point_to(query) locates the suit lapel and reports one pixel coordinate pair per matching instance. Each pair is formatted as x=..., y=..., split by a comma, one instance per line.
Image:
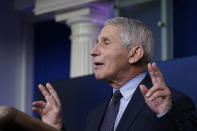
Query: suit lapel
x=134, y=107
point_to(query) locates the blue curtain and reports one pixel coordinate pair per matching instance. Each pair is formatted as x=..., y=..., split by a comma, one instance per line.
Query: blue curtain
x=51, y=53
x=185, y=28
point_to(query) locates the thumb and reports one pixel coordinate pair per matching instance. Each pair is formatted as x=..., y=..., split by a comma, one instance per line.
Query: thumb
x=143, y=89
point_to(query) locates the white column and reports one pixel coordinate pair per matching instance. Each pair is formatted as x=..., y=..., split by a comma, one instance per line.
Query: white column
x=84, y=34
x=85, y=17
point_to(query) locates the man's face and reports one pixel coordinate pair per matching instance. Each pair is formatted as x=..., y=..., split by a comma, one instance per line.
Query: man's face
x=110, y=58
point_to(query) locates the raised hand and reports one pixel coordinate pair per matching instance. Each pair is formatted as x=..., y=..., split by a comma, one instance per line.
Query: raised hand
x=158, y=97
x=50, y=111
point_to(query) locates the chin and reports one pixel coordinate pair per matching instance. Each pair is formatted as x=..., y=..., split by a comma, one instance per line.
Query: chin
x=103, y=77
x=99, y=76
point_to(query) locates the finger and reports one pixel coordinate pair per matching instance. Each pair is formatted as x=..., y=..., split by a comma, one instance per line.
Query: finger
x=38, y=110
x=54, y=93
x=157, y=73
x=53, y=103
x=44, y=91
x=143, y=89
x=159, y=94
x=151, y=72
x=40, y=104
x=153, y=89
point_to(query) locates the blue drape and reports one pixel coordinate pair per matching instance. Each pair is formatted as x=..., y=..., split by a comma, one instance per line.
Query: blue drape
x=51, y=53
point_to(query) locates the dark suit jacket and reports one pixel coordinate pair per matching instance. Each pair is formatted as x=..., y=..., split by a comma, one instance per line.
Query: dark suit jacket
x=138, y=116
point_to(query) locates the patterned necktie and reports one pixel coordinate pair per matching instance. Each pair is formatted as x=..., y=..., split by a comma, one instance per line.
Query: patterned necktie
x=111, y=112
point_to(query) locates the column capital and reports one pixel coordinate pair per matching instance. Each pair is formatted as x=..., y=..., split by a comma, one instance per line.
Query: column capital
x=73, y=11
x=95, y=13
x=51, y=6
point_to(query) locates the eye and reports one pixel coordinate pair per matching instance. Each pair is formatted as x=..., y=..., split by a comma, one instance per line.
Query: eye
x=107, y=42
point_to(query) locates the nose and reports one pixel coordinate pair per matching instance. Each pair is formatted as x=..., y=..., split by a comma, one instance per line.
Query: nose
x=95, y=51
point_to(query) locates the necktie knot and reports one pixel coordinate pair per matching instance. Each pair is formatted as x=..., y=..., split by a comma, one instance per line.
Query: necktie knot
x=116, y=96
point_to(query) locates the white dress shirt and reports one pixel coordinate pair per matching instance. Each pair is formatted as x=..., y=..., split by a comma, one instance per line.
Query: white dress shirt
x=127, y=91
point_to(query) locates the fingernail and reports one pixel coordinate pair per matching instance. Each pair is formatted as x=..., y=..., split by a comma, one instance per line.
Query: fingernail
x=147, y=94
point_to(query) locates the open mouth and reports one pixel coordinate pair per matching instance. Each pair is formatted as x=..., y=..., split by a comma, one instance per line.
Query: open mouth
x=98, y=64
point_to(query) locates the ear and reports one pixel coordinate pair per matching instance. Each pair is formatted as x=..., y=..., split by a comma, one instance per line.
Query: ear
x=135, y=54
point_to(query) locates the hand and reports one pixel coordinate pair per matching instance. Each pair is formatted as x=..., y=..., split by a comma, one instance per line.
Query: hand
x=50, y=111
x=158, y=98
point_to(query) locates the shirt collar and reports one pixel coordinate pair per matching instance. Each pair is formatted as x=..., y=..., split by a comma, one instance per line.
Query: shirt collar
x=129, y=87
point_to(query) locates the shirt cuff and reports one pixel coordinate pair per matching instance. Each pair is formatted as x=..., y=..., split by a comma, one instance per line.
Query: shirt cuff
x=160, y=115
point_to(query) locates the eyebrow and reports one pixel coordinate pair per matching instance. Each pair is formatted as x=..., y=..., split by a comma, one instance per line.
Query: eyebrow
x=103, y=39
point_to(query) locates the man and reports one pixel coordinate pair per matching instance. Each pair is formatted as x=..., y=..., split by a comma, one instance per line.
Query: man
x=142, y=100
